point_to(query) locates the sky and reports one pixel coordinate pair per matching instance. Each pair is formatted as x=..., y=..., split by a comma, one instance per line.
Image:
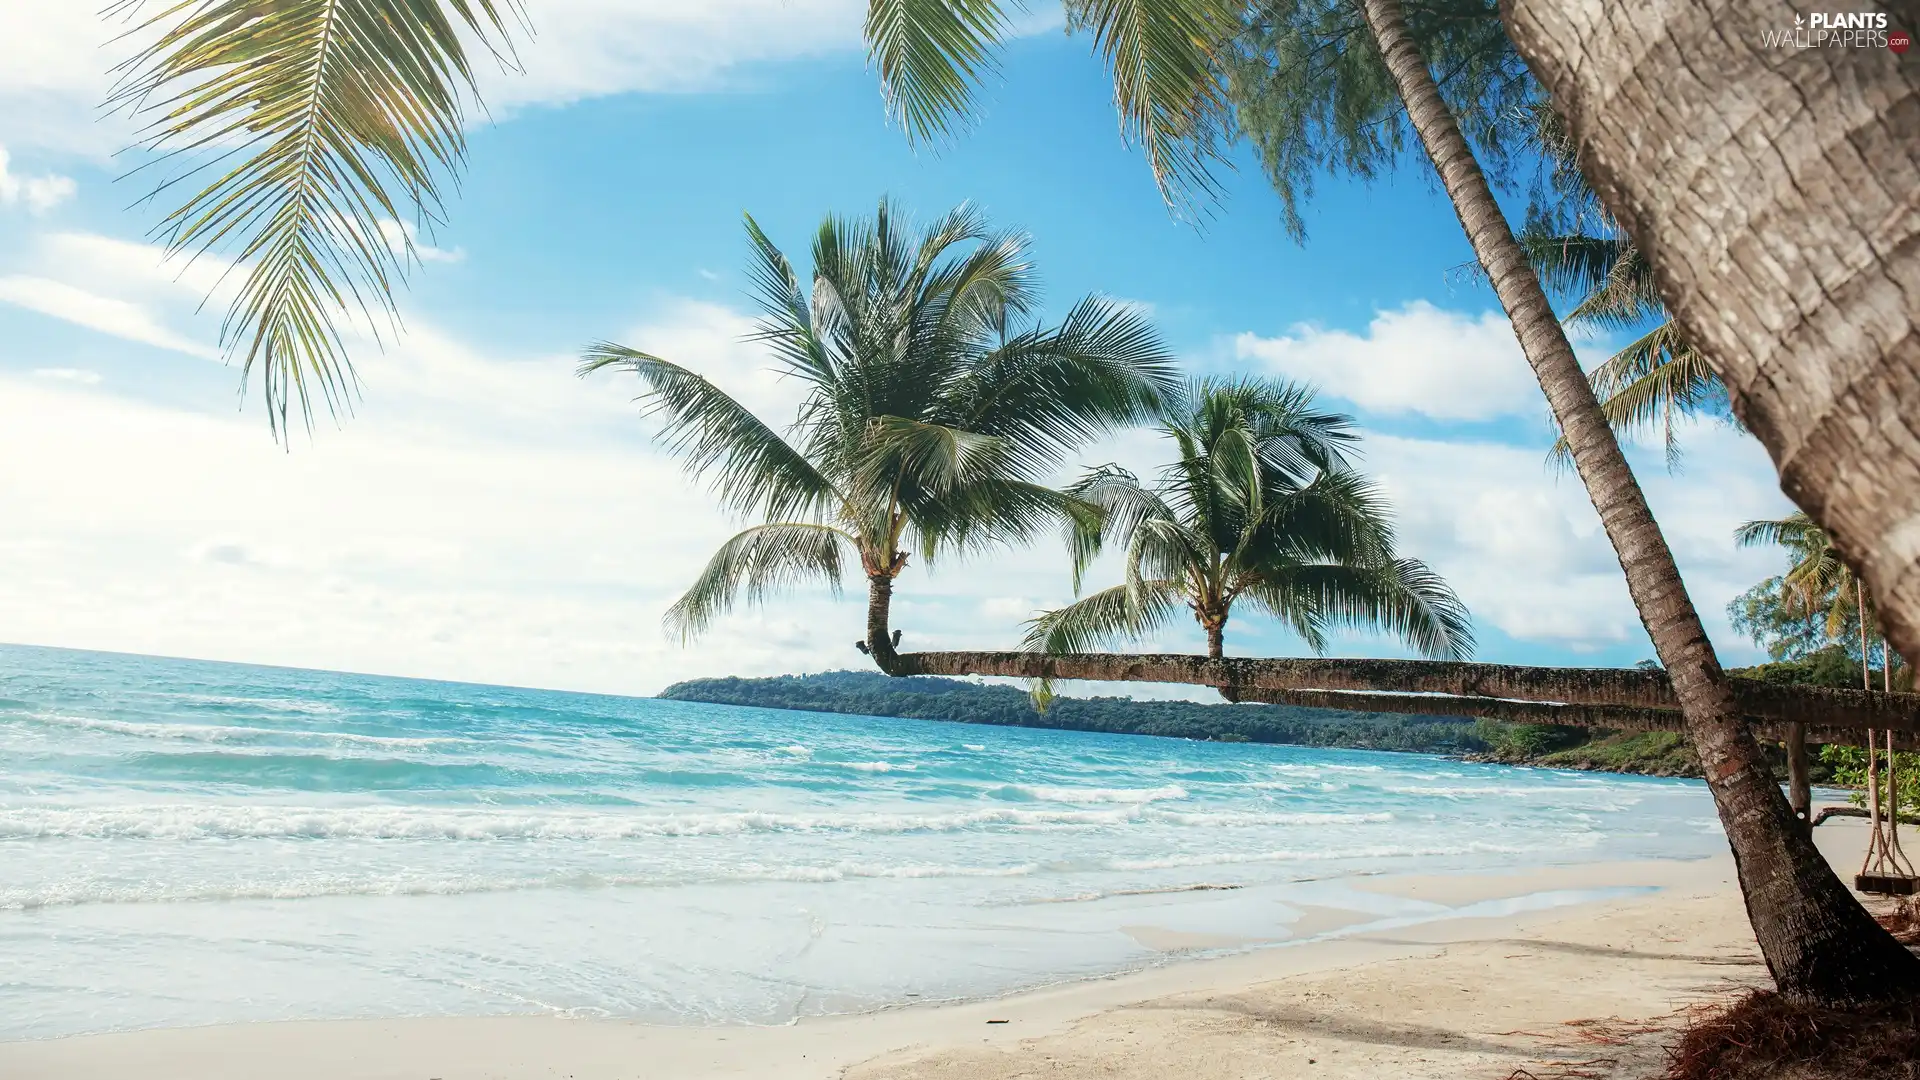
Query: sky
x=483, y=515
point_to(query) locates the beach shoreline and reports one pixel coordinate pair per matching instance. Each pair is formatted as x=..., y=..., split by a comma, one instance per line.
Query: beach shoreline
x=1680, y=934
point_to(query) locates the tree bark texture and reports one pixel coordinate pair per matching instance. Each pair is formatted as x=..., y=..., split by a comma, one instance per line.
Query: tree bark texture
x=1776, y=193
x=1818, y=942
x=1631, y=688
x=879, y=634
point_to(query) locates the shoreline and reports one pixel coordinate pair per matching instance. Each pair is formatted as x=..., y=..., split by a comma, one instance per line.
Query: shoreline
x=1491, y=910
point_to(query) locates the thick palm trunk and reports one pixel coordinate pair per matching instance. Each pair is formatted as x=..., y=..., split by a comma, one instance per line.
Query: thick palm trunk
x=1818, y=942
x=1216, y=637
x=1776, y=192
x=879, y=635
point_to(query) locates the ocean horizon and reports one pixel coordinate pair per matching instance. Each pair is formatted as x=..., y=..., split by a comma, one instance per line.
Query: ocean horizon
x=195, y=842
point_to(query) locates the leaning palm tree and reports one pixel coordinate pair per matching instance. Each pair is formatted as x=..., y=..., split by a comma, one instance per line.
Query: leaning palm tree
x=1259, y=510
x=934, y=409
x=1169, y=61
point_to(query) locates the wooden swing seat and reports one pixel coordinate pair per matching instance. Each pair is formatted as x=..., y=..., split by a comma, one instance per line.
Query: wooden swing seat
x=1887, y=884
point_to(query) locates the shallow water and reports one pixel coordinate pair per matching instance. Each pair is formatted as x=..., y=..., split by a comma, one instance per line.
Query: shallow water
x=191, y=843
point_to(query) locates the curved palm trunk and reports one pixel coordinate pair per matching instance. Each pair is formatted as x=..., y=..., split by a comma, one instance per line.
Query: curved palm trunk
x=1776, y=192
x=1818, y=942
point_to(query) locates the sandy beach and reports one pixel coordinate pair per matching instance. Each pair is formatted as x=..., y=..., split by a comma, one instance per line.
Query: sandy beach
x=1465, y=996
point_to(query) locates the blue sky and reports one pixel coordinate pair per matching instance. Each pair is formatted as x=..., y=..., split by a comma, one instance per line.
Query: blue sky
x=485, y=516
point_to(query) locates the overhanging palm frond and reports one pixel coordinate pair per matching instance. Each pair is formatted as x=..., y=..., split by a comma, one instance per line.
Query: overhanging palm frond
x=930, y=54
x=757, y=563
x=1167, y=82
x=707, y=428
x=322, y=120
x=1108, y=616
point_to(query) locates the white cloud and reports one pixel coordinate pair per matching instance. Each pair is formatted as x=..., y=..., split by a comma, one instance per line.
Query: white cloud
x=72, y=375
x=108, y=315
x=38, y=193
x=1420, y=359
x=1524, y=548
x=403, y=236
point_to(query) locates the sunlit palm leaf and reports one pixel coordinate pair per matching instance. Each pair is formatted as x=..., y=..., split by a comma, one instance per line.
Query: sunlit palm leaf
x=1104, y=618
x=930, y=54
x=1648, y=385
x=756, y=564
x=1403, y=597
x=321, y=120
x=753, y=467
x=1167, y=83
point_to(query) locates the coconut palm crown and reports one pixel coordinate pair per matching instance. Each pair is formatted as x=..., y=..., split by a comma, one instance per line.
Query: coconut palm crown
x=934, y=409
x=1260, y=508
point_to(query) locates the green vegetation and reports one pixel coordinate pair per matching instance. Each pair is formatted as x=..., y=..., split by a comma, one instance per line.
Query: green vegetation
x=866, y=693
x=1262, y=508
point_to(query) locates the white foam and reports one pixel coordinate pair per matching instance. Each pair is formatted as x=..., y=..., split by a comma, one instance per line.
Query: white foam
x=76, y=893
x=872, y=766
x=976, y=747
x=1087, y=796
x=1176, y=862
x=231, y=822
x=221, y=733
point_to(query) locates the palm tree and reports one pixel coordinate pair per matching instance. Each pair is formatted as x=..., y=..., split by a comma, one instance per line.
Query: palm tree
x=1820, y=945
x=1818, y=581
x=933, y=410
x=1799, y=297
x=1260, y=509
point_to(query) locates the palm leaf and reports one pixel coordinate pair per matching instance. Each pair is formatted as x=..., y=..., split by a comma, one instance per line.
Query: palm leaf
x=930, y=54
x=1106, y=617
x=755, y=564
x=320, y=120
x=1167, y=83
x=1647, y=385
x=755, y=467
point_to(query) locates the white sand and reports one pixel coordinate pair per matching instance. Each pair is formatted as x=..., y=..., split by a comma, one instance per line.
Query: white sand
x=1462, y=997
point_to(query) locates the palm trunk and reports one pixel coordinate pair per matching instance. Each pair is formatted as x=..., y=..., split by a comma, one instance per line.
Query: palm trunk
x=1216, y=636
x=879, y=635
x=1799, y=785
x=1818, y=942
x=1773, y=190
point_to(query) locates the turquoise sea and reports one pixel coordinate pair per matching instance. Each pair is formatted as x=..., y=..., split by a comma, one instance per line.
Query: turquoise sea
x=190, y=843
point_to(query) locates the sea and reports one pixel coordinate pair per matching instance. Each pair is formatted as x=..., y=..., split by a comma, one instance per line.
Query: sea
x=188, y=843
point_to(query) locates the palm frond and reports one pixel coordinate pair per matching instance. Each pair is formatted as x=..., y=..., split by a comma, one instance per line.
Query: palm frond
x=754, y=467
x=1048, y=390
x=1649, y=385
x=320, y=120
x=1404, y=597
x=930, y=458
x=755, y=564
x=930, y=54
x=1106, y=617
x=1167, y=82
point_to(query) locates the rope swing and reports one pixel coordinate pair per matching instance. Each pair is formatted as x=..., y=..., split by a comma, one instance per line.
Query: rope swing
x=1886, y=871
